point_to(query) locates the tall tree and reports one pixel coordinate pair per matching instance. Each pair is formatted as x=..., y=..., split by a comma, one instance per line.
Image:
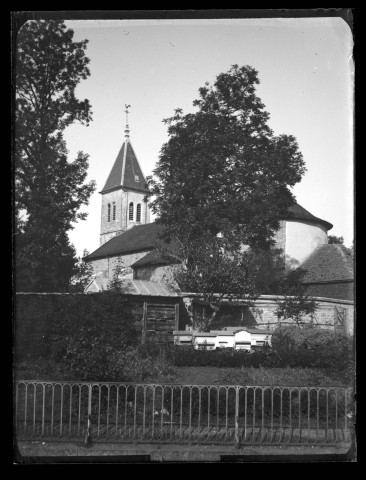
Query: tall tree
x=49, y=189
x=223, y=179
x=223, y=169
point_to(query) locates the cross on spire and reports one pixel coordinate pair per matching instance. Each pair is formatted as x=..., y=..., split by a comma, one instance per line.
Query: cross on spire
x=127, y=130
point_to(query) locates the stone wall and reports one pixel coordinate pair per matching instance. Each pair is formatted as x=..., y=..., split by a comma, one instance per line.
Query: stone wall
x=122, y=222
x=113, y=227
x=107, y=265
x=261, y=313
x=152, y=273
x=341, y=290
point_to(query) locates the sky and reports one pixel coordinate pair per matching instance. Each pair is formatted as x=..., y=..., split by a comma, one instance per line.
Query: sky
x=306, y=73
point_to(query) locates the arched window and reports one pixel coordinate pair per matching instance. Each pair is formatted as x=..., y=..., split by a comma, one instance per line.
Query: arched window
x=114, y=210
x=109, y=212
x=138, y=212
x=130, y=211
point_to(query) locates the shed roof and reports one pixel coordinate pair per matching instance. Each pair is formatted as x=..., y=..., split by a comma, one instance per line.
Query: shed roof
x=328, y=263
x=133, y=287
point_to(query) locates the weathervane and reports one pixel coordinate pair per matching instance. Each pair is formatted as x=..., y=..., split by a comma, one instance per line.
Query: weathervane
x=127, y=131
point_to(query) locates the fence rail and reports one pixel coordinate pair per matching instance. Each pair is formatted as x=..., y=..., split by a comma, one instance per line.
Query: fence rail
x=170, y=413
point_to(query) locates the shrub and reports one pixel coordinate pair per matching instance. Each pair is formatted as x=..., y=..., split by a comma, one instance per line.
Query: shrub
x=92, y=358
x=312, y=347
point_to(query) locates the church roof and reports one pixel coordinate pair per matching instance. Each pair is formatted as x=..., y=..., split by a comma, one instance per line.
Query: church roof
x=137, y=239
x=126, y=171
x=328, y=263
x=297, y=212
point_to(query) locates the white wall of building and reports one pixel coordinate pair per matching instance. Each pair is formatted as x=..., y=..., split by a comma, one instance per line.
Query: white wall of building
x=303, y=238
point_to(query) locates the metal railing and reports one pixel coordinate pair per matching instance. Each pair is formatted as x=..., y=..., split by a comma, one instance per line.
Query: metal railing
x=170, y=413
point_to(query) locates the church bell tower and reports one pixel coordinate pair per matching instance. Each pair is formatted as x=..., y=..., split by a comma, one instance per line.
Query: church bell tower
x=123, y=204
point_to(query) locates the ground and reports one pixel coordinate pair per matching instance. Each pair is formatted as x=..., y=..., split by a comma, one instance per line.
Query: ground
x=209, y=375
x=50, y=452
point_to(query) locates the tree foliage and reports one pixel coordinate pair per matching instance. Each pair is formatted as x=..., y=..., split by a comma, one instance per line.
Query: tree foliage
x=117, y=282
x=82, y=274
x=333, y=239
x=222, y=181
x=49, y=189
x=223, y=169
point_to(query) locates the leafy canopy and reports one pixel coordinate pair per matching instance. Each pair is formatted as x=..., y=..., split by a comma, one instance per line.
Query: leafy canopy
x=223, y=169
x=223, y=181
x=49, y=189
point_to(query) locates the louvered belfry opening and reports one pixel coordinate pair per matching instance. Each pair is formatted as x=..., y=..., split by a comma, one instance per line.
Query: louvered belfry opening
x=130, y=211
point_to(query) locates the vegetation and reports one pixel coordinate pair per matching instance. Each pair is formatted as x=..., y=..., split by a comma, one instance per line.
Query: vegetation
x=83, y=274
x=117, y=282
x=49, y=188
x=222, y=169
x=223, y=181
x=333, y=239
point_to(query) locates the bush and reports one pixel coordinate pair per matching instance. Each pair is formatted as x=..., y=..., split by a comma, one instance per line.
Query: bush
x=306, y=347
x=310, y=346
x=91, y=358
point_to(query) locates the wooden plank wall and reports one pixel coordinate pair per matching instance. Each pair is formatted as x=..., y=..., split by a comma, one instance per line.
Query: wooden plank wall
x=160, y=319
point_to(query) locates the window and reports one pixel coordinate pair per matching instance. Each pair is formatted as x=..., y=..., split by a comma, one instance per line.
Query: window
x=138, y=213
x=137, y=178
x=130, y=211
x=114, y=210
x=109, y=212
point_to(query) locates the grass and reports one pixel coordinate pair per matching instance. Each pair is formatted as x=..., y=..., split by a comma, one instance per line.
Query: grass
x=258, y=376
x=205, y=375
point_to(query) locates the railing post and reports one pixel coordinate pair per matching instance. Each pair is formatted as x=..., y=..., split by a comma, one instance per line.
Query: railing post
x=237, y=437
x=88, y=437
x=144, y=321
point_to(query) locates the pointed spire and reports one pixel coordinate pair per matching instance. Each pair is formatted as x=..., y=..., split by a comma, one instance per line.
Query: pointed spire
x=126, y=171
x=127, y=130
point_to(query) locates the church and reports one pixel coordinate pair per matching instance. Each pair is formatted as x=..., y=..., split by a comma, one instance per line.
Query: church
x=128, y=234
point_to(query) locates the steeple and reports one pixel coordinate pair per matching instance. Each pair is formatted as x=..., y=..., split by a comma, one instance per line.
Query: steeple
x=123, y=195
x=126, y=171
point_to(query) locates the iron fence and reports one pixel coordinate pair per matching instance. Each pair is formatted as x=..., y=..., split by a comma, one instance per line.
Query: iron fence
x=170, y=413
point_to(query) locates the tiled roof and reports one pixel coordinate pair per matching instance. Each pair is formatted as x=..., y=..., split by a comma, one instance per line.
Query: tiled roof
x=152, y=258
x=136, y=239
x=133, y=287
x=297, y=212
x=126, y=171
x=328, y=263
